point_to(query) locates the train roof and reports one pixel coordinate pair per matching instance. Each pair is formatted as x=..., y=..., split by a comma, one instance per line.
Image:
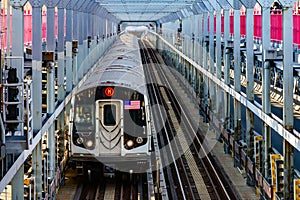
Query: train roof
x=121, y=66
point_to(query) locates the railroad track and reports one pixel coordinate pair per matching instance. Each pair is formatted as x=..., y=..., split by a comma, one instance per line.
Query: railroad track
x=123, y=186
x=198, y=178
x=171, y=180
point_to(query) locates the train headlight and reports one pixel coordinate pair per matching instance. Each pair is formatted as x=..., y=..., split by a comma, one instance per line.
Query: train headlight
x=89, y=143
x=79, y=140
x=129, y=143
x=139, y=140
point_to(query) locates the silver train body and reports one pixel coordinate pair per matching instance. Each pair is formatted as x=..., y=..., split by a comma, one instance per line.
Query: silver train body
x=110, y=110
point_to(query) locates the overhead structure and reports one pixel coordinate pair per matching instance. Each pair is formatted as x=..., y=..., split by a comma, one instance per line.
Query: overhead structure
x=144, y=10
x=210, y=54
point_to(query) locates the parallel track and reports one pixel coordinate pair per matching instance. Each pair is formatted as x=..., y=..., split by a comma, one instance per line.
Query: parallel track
x=123, y=187
x=190, y=160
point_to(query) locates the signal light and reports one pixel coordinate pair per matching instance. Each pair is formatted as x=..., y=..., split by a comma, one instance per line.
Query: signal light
x=279, y=176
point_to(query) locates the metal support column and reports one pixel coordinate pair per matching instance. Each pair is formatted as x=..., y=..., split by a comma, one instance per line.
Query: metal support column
x=60, y=79
x=17, y=52
x=226, y=56
x=249, y=4
x=189, y=42
x=50, y=27
x=50, y=109
x=237, y=73
x=50, y=89
x=75, y=36
x=213, y=6
x=69, y=37
x=8, y=29
x=184, y=36
x=205, y=61
x=197, y=41
x=37, y=170
x=37, y=88
x=18, y=184
x=250, y=81
x=218, y=62
x=60, y=51
x=228, y=52
x=212, y=92
x=193, y=27
x=80, y=55
x=288, y=120
x=201, y=39
x=266, y=103
x=75, y=67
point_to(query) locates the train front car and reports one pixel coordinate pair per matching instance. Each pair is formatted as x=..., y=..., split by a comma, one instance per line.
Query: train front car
x=111, y=117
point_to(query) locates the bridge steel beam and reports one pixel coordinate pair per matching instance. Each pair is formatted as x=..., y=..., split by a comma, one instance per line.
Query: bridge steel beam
x=249, y=4
x=205, y=62
x=193, y=35
x=77, y=21
x=227, y=51
x=8, y=20
x=186, y=30
x=199, y=47
x=60, y=77
x=236, y=5
x=88, y=35
x=212, y=92
x=81, y=39
x=18, y=184
x=288, y=120
x=17, y=52
x=196, y=35
x=60, y=48
x=218, y=56
x=95, y=23
x=69, y=39
x=201, y=39
x=37, y=88
x=50, y=89
x=266, y=101
x=101, y=23
x=16, y=60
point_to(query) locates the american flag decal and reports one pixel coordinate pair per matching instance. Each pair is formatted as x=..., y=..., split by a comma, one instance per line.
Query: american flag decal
x=132, y=104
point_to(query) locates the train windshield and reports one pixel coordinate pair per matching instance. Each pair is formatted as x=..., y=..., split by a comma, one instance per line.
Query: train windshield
x=109, y=115
x=83, y=116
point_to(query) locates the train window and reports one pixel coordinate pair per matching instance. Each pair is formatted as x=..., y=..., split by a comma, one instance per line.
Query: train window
x=83, y=115
x=109, y=115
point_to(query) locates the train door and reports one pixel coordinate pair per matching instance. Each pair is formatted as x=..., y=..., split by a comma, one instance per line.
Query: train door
x=109, y=126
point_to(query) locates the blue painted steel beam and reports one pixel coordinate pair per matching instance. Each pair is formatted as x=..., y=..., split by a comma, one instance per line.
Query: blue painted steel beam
x=266, y=102
x=37, y=96
x=18, y=63
x=249, y=4
x=69, y=38
x=288, y=108
x=50, y=88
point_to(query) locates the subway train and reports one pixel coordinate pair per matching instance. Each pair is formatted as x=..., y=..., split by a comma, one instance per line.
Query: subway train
x=110, y=119
x=139, y=31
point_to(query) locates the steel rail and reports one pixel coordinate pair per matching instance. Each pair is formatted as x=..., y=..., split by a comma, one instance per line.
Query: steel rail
x=171, y=151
